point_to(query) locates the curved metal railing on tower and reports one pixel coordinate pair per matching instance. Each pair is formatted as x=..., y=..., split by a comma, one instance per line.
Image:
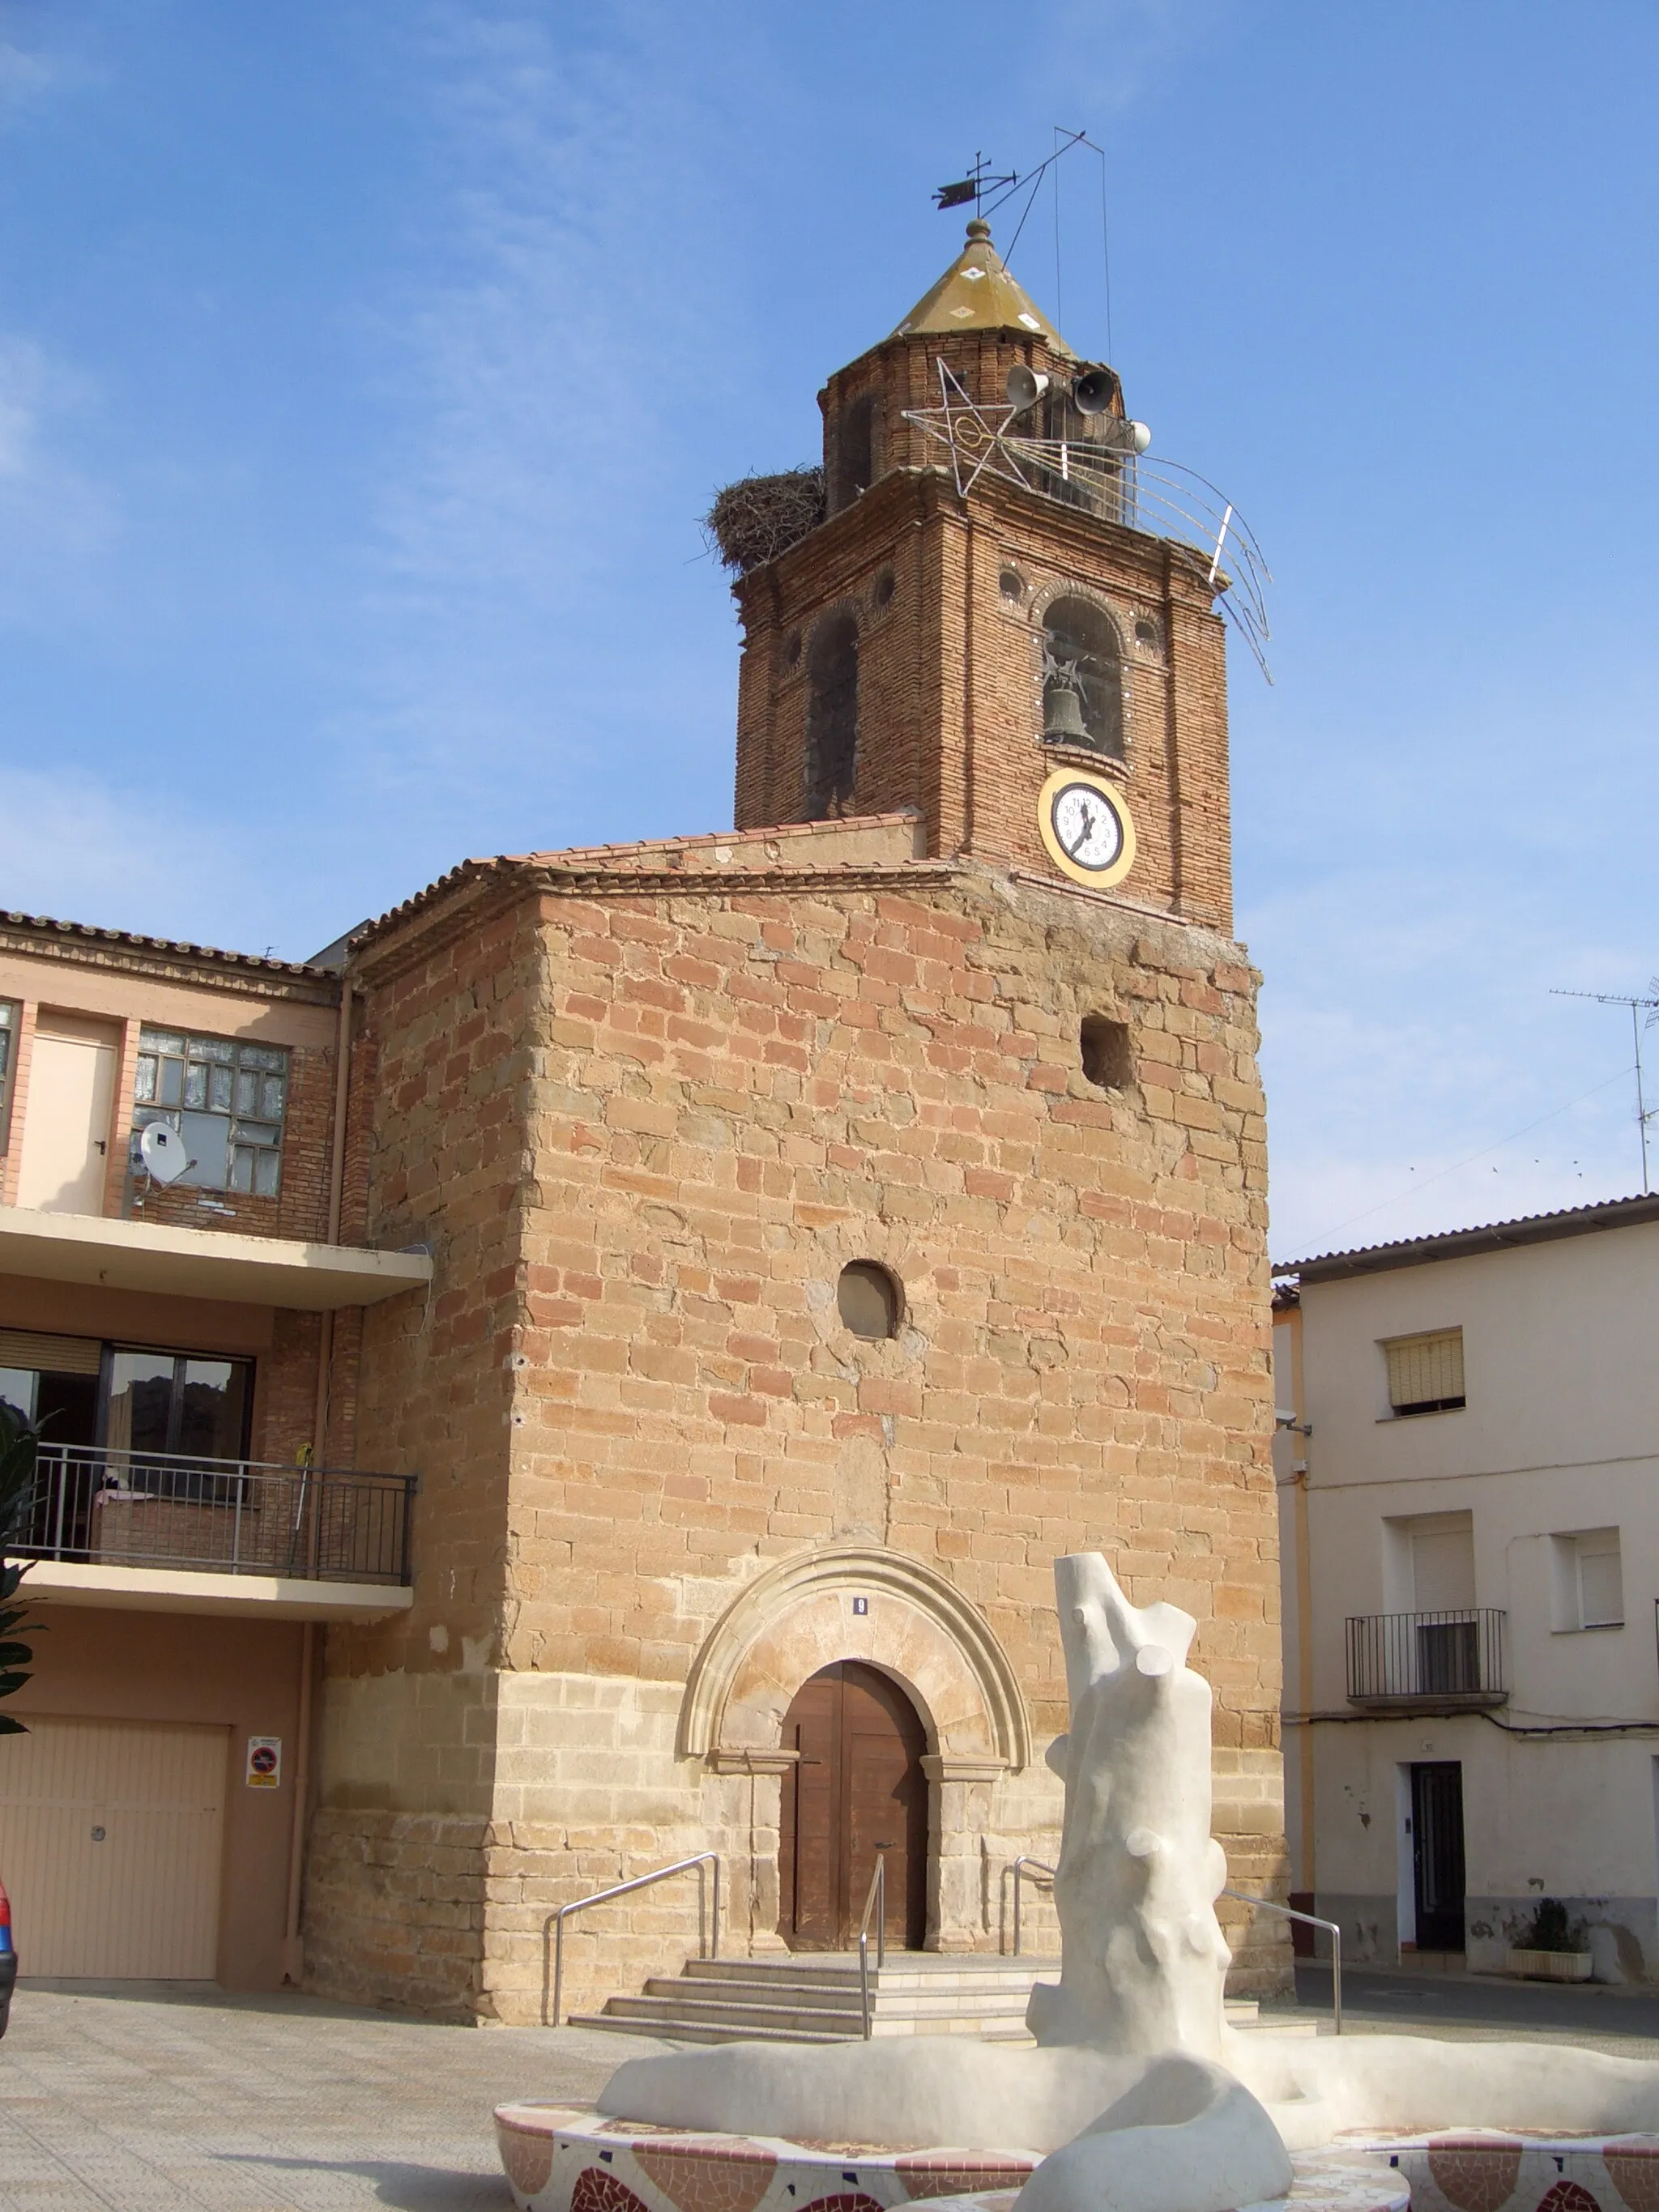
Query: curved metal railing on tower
x=1137, y=491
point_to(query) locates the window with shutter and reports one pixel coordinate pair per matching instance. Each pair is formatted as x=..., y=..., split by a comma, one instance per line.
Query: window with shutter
x=1600, y=1581
x=1588, y=1580
x=1425, y=1373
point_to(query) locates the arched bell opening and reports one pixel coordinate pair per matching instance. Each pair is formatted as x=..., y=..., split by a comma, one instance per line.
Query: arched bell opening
x=1082, y=678
x=855, y=1788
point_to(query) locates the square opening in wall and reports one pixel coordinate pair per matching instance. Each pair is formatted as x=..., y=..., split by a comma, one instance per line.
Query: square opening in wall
x=1106, y=1051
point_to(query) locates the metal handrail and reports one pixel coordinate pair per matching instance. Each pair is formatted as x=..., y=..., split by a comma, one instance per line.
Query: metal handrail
x=1024, y=1861
x=112, y=1506
x=877, y=1898
x=1312, y=1920
x=556, y=1920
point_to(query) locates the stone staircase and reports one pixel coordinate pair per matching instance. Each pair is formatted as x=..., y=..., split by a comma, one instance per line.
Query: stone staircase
x=813, y=1997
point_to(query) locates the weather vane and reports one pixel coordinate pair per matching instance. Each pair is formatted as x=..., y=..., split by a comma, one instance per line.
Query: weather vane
x=974, y=186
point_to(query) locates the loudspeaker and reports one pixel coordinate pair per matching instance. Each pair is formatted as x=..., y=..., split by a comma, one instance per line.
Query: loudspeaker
x=1025, y=387
x=1095, y=391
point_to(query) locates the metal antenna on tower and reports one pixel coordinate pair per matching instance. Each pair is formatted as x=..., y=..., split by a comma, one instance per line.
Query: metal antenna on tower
x=1644, y=1113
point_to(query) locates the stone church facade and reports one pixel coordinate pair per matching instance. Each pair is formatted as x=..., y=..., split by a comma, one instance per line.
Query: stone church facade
x=831, y=1222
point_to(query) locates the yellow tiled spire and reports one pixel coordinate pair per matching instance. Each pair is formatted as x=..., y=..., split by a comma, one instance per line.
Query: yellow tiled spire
x=976, y=293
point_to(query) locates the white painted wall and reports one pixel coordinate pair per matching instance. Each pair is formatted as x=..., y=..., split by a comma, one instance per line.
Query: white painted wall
x=1560, y=1434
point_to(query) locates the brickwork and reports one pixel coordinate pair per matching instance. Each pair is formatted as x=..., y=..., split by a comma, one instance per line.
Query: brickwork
x=950, y=677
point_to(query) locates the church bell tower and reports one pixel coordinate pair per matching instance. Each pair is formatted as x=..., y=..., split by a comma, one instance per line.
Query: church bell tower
x=988, y=626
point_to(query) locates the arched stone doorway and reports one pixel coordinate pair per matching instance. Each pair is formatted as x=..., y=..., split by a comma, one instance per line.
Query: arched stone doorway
x=844, y=1604
x=856, y=1787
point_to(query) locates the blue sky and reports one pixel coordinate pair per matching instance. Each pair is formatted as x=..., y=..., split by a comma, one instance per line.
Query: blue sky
x=364, y=367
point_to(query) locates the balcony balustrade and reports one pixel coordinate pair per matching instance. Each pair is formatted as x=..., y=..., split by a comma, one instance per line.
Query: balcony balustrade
x=1450, y=1660
x=95, y=1506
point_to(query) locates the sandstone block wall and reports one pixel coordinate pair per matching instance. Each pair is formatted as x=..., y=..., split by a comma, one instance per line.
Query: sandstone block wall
x=644, y=1125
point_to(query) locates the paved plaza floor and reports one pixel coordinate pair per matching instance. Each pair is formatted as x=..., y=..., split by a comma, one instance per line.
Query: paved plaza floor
x=143, y=2097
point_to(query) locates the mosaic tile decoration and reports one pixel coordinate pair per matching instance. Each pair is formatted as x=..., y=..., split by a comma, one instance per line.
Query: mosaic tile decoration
x=566, y=2158
x=1474, y=2172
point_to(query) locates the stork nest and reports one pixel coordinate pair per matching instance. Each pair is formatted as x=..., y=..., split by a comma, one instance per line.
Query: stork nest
x=756, y=518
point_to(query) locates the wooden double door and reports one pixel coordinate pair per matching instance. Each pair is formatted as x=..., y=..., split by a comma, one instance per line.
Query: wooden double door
x=857, y=1788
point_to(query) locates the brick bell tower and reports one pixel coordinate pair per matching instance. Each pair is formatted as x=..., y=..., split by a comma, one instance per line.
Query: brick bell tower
x=951, y=642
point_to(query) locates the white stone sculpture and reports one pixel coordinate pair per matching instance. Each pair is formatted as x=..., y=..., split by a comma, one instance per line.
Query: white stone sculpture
x=1143, y=1960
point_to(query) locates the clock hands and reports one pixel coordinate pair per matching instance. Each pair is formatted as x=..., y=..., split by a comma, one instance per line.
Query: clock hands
x=1083, y=835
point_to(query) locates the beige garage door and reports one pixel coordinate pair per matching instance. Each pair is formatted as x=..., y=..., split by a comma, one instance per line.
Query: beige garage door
x=109, y=1837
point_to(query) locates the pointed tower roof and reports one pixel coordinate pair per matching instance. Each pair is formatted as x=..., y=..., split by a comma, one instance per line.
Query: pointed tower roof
x=976, y=293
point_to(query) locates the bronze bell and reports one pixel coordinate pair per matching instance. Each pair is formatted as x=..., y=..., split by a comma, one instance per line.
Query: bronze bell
x=1062, y=717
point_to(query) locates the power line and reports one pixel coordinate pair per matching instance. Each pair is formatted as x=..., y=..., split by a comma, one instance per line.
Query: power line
x=1441, y=1173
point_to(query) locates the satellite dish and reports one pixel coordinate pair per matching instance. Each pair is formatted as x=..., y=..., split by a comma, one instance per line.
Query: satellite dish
x=1095, y=391
x=163, y=1152
x=1025, y=387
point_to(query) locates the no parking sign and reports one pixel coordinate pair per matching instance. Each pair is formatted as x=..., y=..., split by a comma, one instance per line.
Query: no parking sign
x=264, y=1762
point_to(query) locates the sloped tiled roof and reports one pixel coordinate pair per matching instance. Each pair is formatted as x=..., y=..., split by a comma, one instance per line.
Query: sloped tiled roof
x=1460, y=1244
x=87, y=934
x=779, y=853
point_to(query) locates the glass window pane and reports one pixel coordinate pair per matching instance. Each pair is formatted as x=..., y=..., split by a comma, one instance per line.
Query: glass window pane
x=196, y=1084
x=270, y=1097
x=267, y=1174
x=170, y=1073
x=242, y=1171
x=162, y=1041
x=5, y=1013
x=145, y=1082
x=256, y=1133
x=207, y=1142
x=140, y=1401
x=219, y=1090
x=247, y=1091
x=17, y=1390
x=211, y=1410
x=262, y=1056
x=212, y=1049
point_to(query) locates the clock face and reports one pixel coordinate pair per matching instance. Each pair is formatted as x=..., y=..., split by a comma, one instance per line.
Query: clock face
x=1086, y=825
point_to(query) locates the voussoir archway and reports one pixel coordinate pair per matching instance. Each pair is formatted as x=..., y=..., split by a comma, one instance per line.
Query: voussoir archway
x=800, y=1616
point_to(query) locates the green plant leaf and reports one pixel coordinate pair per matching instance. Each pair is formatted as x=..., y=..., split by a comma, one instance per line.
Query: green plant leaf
x=15, y=1655
x=10, y=1726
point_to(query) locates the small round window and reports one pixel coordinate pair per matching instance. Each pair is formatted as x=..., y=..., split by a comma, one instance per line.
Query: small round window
x=868, y=1300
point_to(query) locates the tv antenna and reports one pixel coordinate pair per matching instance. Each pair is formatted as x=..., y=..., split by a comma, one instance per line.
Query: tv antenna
x=1644, y=1113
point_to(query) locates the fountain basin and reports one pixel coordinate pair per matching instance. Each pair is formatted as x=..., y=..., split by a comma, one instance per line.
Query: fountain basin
x=572, y=2158
x=1482, y=2170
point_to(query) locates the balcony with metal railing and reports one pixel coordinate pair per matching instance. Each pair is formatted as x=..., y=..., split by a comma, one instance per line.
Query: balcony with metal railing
x=1450, y=1661
x=176, y=1532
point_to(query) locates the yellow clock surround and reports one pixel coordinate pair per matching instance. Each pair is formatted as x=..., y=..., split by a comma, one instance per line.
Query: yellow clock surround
x=1064, y=779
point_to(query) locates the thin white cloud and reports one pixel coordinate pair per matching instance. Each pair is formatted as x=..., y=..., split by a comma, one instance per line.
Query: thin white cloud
x=52, y=515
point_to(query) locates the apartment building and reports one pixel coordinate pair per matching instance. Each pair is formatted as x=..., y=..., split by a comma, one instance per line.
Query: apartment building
x=1468, y=1457
x=189, y=1348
